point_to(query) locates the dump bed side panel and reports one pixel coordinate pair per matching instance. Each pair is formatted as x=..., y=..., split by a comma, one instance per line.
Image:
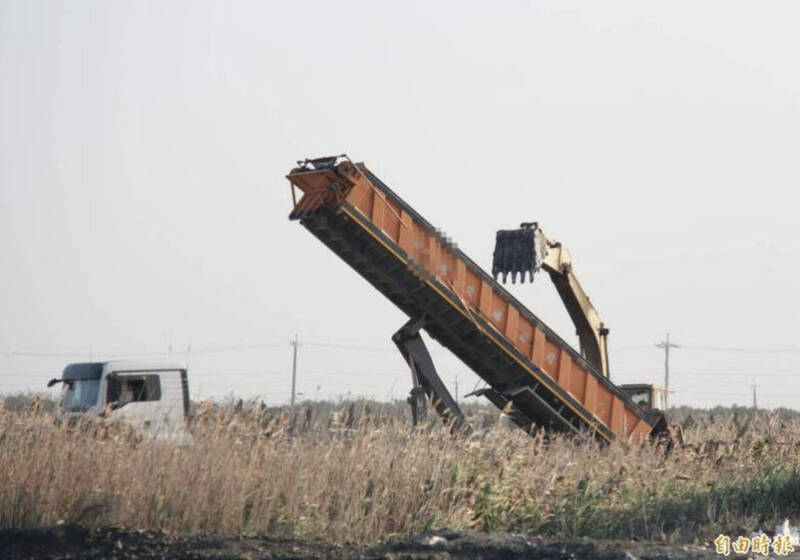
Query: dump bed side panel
x=542, y=373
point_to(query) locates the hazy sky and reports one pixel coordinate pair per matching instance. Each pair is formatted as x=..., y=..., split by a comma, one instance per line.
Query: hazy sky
x=143, y=148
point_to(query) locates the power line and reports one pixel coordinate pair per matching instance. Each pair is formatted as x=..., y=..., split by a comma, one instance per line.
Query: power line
x=222, y=374
x=723, y=377
x=706, y=348
x=704, y=375
x=238, y=348
x=68, y=353
x=742, y=349
x=743, y=394
x=351, y=347
x=288, y=372
x=165, y=352
x=721, y=374
x=632, y=348
x=309, y=385
x=343, y=384
x=381, y=349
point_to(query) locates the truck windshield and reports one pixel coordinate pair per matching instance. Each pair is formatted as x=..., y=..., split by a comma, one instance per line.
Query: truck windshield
x=79, y=394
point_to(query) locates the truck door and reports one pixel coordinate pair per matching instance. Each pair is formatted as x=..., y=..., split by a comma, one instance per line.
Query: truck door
x=133, y=395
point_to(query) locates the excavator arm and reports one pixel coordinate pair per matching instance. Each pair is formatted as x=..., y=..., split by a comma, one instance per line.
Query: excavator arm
x=526, y=251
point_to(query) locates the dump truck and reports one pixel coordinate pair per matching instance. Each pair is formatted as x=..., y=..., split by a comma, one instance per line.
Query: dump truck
x=531, y=373
x=151, y=395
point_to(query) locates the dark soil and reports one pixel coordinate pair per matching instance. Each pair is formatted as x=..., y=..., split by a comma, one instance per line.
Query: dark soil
x=71, y=541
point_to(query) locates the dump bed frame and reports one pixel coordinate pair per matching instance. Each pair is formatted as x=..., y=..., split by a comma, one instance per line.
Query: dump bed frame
x=423, y=272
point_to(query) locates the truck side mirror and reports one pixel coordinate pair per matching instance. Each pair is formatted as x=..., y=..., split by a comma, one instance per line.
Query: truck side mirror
x=52, y=382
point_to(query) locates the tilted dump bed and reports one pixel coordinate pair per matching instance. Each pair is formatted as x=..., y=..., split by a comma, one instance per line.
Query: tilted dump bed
x=466, y=310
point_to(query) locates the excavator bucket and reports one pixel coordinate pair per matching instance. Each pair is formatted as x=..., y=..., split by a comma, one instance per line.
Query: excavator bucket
x=515, y=253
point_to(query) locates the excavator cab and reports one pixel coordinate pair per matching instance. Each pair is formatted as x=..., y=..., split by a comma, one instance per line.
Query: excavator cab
x=652, y=399
x=647, y=397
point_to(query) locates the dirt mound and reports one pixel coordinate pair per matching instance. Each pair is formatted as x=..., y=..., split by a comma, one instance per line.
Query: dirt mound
x=76, y=542
x=499, y=546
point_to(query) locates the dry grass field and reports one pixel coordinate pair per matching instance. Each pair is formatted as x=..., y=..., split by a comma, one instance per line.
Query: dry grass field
x=358, y=473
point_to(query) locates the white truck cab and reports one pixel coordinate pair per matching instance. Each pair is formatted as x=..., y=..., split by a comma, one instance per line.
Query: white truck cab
x=151, y=395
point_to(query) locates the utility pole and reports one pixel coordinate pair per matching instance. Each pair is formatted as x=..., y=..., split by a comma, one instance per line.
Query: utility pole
x=666, y=345
x=294, y=370
x=755, y=404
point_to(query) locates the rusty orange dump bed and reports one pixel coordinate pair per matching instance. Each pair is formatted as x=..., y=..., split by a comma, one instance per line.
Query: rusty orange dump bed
x=422, y=272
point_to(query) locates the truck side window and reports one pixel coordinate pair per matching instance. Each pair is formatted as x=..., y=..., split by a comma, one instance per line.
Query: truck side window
x=134, y=388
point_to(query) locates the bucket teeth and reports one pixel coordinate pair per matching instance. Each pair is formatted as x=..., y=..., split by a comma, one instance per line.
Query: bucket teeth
x=514, y=254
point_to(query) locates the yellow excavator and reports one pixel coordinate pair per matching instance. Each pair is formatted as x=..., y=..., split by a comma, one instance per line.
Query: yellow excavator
x=525, y=251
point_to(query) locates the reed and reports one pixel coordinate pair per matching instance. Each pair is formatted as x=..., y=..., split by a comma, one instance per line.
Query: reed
x=359, y=473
